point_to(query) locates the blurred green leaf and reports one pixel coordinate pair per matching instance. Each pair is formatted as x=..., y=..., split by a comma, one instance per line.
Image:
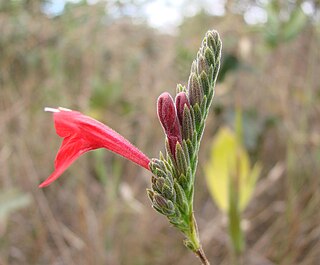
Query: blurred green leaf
x=279, y=30
x=229, y=158
x=251, y=127
x=296, y=23
x=12, y=200
x=273, y=24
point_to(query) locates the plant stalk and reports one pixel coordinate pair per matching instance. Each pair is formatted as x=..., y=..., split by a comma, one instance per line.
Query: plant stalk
x=234, y=216
x=202, y=256
x=194, y=238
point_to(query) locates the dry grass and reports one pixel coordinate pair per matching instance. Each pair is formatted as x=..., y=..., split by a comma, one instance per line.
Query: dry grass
x=98, y=211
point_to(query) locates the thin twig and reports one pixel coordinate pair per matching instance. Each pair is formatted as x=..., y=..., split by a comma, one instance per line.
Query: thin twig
x=202, y=256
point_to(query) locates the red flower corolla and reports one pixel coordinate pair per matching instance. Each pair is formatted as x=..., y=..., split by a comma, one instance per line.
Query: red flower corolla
x=169, y=120
x=82, y=134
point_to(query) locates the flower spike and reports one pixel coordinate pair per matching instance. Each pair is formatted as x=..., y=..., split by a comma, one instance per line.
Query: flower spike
x=172, y=188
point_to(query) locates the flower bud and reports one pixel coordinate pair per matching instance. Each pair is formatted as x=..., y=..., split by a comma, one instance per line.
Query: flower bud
x=194, y=67
x=150, y=195
x=160, y=183
x=202, y=65
x=194, y=90
x=166, y=112
x=181, y=101
x=187, y=124
x=164, y=205
x=168, y=117
x=159, y=201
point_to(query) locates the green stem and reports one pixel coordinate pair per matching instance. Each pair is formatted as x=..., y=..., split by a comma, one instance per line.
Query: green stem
x=195, y=241
x=236, y=233
x=234, y=217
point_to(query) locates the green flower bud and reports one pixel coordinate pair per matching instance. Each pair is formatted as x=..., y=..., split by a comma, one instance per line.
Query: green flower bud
x=194, y=89
x=197, y=116
x=159, y=183
x=204, y=83
x=187, y=124
x=181, y=199
x=208, y=54
x=159, y=201
x=202, y=65
x=168, y=192
x=181, y=159
x=150, y=195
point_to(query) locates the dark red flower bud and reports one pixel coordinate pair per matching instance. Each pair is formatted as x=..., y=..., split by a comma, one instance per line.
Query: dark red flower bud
x=168, y=117
x=181, y=101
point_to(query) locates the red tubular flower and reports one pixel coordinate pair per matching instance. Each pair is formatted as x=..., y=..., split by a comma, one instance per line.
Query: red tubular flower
x=82, y=134
x=169, y=120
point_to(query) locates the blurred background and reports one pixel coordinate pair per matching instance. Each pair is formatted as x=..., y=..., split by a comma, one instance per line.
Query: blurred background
x=111, y=60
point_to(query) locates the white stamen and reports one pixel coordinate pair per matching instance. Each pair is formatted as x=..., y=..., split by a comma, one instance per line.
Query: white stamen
x=64, y=109
x=51, y=109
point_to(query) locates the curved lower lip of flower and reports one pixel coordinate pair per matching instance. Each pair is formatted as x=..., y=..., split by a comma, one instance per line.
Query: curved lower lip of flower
x=82, y=134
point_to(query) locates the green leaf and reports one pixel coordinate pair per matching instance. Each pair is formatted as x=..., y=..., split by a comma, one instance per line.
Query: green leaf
x=296, y=23
x=249, y=185
x=230, y=165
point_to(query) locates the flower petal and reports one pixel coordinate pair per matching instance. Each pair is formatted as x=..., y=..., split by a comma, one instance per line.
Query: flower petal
x=82, y=134
x=71, y=148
